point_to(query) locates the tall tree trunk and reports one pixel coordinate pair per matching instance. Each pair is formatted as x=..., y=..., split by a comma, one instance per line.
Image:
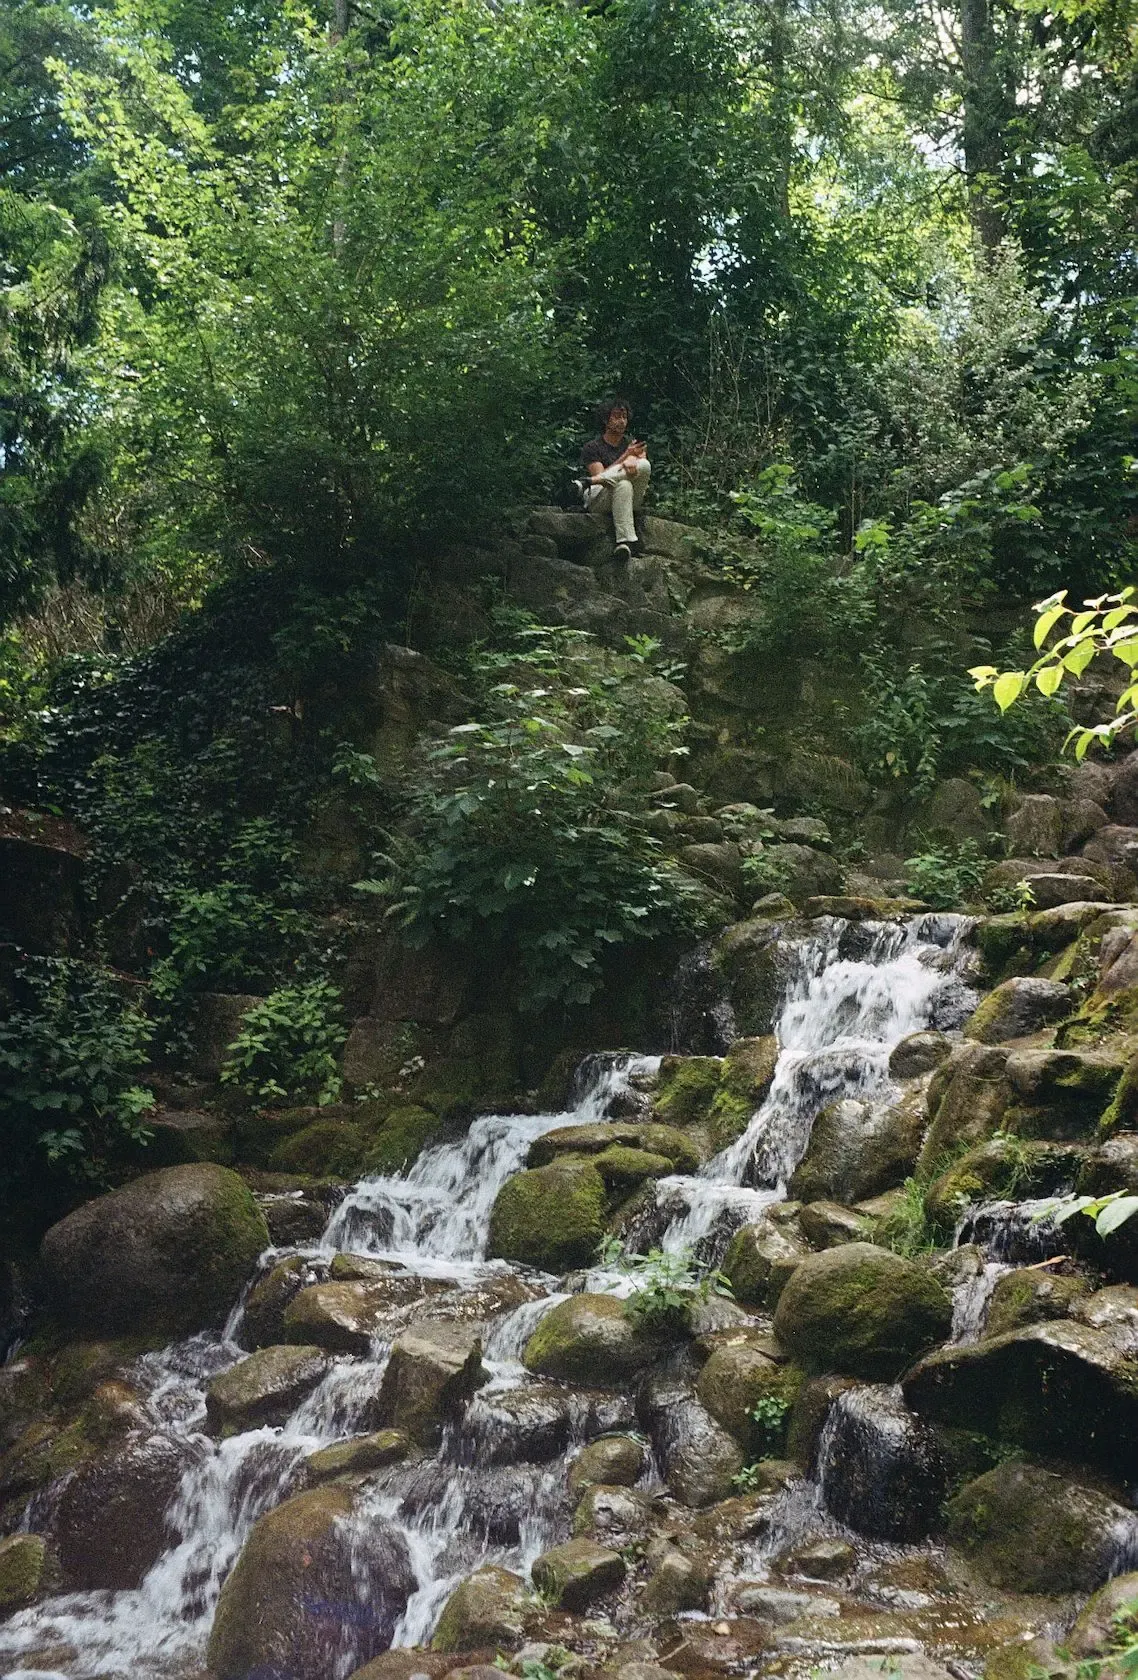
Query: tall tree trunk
x=984, y=117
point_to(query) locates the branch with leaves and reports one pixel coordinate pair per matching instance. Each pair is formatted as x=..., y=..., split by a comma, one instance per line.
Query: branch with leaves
x=1107, y=625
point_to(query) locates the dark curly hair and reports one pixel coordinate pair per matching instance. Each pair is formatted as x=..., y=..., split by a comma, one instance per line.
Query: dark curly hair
x=606, y=408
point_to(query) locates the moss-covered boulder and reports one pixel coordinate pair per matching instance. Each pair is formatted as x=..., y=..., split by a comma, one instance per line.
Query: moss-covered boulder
x=968, y=1096
x=262, y=1324
x=737, y=1379
x=432, y=1371
x=1030, y=1530
x=1001, y=1167
x=686, y=1088
x=550, y=1217
x=1064, y=1389
x=1029, y=1296
x=310, y=1553
x=921, y=1052
x=747, y=956
x=859, y=1149
x=624, y=1169
x=1108, y=1615
x=613, y=1461
x=680, y=1149
x=861, y=1310
x=744, y=1080
x=759, y=1260
x=265, y=1388
x=325, y=1149
x=357, y=1456
x=590, y=1339
x=1017, y=1008
x=346, y=1316
x=1061, y=1093
x=395, y=1142
x=576, y=1573
x=24, y=1570
x=486, y=1611
x=168, y=1253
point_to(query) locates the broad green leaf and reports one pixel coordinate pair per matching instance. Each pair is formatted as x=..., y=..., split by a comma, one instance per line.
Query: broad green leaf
x=1046, y=623
x=1117, y=1213
x=1007, y=687
x=1048, y=680
x=1126, y=651
x=1117, y=616
x=1080, y=622
x=1080, y=657
x=983, y=674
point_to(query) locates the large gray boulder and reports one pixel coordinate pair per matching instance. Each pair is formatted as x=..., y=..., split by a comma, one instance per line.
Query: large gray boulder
x=1019, y=1007
x=431, y=1374
x=309, y=1554
x=265, y=1388
x=861, y=1310
x=166, y=1254
x=590, y=1339
x=108, y=1525
x=1062, y=1388
x=700, y=1459
x=1031, y=1530
x=857, y=1149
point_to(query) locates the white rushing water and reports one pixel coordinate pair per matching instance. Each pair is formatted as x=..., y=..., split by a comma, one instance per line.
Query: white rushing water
x=842, y=1015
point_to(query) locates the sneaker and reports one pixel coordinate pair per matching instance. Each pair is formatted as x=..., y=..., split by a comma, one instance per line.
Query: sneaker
x=622, y=552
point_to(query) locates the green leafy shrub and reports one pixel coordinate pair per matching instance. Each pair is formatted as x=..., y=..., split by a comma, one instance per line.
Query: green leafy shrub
x=769, y=1415
x=765, y=874
x=946, y=877
x=523, y=826
x=70, y=1053
x=288, y=1046
x=667, y=1285
x=227, y=938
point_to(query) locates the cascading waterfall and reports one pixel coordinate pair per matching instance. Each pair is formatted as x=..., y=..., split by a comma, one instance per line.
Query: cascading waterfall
x=842, y=1017
x=851, y=995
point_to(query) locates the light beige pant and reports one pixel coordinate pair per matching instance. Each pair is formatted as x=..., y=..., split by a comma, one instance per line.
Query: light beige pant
x=617, y=493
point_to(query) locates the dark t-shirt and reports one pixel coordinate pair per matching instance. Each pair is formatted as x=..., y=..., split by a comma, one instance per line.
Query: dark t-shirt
x=606, y=453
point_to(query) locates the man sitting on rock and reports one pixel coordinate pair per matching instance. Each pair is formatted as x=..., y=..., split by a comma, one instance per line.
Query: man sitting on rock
x=618, y=473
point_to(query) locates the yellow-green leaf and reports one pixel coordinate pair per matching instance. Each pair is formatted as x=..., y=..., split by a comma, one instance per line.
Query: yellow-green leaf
x=1127, y=651
x=1080, y=657
x=1080, y=622
x=1116, y=616
x=1006, y=688
x=983, y=674
x=1046, y=623
x=1048, y=680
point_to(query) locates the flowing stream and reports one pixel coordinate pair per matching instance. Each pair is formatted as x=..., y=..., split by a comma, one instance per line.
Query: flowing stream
x=851, y=994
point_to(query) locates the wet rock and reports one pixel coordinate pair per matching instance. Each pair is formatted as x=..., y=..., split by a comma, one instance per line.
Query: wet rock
x=1030, y=1296
x=109, y=1522
x=263, y=1322
x=1017, y=1008
x=265, y=1388
x=613, y=1461
x=550, y=1217
x=346, y=1317
x=779, y=1605
x=809, y=1413
x=680, y=1579
x=858, y=1149
x=167, y=1254
x=678, y=1148
x=920, y=1053
x=293, y=1219
x=522, y=1425
x=589, y=1339
x=1061, y=888
x=432, y=1371
x=759, y=1260
x=735, y=1380
x=968, y=1097
x=1114, y=1310
x=24, y=1570
x=1109, y=1612
x=487, y=1610
x=861, y=1310
x=1061, y=1389
x=315, y=1590
x=686, y=1088
x=829, y=1225
x=355, y=1457
x=953, y=810
x=881, y=1469
x=818, y=1560
x=700, y=1459
x=606, y=1513
x=1031, y=1530
x=1000, y=1167
x=748, y=958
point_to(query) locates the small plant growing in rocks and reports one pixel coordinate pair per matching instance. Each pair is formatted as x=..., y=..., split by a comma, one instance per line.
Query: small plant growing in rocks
x=667, y=1285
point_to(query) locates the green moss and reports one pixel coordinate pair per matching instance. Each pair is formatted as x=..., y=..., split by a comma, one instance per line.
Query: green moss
x=22, y=1561
x=397, y=1143
x=728, y=1119
x=265, y=1129
x=687, y=1088
x=622, y=1167
x=1005, y=944
x=551, y=1217
x=861, y=1310
x=1121, y=1113
x=1028, y=1530
x=327, y=1147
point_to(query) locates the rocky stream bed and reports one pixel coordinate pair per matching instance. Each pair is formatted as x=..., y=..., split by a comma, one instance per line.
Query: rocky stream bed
x=405, y=1453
